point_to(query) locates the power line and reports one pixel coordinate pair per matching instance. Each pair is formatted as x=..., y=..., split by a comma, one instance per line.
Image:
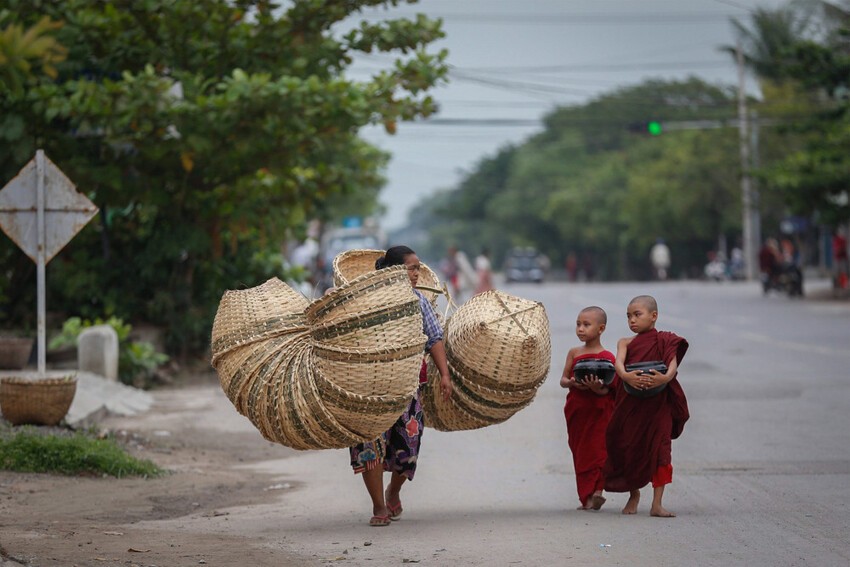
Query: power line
x=735, y=5
x=575, y=18
x=602, y=68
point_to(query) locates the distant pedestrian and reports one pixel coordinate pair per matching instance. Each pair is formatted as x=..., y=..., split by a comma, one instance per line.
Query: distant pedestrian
x=588, y=409
x=448, y=266
x=839, y=259
x=642, y=428
x=484, y=271
x=659, y=256
x=571, y=265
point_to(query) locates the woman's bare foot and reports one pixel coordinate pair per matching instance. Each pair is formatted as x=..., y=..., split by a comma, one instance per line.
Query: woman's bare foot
x=632, y=505
x=660, y=512
x=596, y=501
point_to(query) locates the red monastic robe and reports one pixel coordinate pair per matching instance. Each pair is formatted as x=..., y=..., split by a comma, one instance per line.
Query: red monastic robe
x=641, y=429
x=587, y=419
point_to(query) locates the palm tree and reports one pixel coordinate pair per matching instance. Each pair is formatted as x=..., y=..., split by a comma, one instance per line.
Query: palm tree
x=767, y=39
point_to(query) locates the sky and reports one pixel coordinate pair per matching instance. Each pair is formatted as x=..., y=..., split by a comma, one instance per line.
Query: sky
x=514, y=61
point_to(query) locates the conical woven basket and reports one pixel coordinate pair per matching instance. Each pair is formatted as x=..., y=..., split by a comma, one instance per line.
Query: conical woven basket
x=499, y=350
x=324, y=375
x=353, y=263
x=250, y=315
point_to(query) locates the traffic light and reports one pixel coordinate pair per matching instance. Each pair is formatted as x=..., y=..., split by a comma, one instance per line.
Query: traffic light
x=654, y=128
x=651, y=127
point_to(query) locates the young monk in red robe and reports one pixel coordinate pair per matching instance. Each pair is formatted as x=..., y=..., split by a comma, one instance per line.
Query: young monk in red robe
x=641, y=430
x=588, y=409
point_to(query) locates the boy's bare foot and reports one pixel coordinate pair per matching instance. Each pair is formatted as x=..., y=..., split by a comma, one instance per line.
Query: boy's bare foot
x=596, y=501
x=632, y=505
x=660, y=512
x=582, y=508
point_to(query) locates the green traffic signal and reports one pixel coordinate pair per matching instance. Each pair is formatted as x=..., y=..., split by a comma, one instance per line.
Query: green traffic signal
x=654, y=128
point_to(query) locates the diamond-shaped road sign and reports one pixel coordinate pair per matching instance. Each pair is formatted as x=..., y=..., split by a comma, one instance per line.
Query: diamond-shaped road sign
x=66, y=211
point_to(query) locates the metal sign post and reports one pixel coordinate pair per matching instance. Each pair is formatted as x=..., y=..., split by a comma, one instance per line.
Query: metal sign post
x=41, y=211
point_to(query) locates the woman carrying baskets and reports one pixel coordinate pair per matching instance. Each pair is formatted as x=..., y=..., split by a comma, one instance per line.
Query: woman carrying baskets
x=397, y=450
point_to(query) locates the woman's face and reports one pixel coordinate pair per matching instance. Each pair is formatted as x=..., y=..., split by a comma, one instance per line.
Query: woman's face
x=411, y=262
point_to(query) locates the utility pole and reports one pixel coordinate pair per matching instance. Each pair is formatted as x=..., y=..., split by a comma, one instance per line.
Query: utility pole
x=755, y=197
x=746, y=184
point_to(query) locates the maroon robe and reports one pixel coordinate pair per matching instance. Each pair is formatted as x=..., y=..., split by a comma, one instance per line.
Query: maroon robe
x=641, y=429
x=587, y=417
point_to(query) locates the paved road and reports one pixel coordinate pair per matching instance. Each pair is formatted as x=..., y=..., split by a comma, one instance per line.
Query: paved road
x=762, y=471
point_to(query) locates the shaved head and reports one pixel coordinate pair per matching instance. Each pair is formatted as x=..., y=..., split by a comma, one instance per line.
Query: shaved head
x=597, y=312
x=647, y=301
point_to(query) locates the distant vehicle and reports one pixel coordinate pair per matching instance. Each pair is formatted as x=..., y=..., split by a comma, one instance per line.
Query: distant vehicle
x=525, y=265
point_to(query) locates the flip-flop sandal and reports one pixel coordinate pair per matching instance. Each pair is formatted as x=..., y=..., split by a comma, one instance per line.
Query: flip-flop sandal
x=379, y=521
x=395, y=511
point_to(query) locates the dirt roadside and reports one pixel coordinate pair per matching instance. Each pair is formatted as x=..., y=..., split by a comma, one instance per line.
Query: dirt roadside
x=48, y=520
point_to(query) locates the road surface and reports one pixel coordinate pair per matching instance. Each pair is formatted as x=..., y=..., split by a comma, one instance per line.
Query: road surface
x=762, y=471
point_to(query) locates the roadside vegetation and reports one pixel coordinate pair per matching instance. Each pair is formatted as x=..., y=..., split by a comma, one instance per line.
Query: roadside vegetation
x=59, y=451
x=662, y=159
x=206, y=132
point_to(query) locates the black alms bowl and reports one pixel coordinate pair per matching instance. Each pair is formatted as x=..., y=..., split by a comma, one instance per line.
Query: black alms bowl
x=658, y=366
x=599, y=367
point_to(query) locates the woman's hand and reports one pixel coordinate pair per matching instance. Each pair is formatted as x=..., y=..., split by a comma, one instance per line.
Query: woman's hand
x=446, y=387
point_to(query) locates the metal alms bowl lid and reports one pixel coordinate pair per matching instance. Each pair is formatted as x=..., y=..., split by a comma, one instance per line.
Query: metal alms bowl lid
x=602, y=368
x=658, y=366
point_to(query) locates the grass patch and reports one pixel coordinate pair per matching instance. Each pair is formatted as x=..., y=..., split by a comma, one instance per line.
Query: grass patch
x=25, y=449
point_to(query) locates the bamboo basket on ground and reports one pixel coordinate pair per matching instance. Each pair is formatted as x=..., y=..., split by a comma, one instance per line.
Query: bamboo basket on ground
x=36, y=401
x=499, y=350
x=321, y=375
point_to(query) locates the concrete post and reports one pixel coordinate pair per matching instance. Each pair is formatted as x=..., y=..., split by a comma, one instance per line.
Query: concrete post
x=97, y=351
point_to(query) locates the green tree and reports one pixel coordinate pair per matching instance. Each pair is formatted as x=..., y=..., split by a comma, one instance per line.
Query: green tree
x=589, y=184
x=207, y=131
x=21, y=49
x=800, y=55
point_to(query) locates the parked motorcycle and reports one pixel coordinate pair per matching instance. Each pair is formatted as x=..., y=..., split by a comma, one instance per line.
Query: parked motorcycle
x=788, y=279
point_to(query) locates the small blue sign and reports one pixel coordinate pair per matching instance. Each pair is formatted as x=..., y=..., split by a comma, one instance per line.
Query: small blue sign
x=352, y=222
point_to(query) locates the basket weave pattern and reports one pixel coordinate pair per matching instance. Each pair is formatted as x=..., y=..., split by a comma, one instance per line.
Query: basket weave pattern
x=354, y=263
x=326, y=374
x=499, y=350
x=37, y=401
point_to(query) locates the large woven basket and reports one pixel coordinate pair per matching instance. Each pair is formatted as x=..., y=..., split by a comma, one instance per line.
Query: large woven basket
x=321, y=375
x=353, y=263
x=36, y=401
x=15, y=352
x=499, y=349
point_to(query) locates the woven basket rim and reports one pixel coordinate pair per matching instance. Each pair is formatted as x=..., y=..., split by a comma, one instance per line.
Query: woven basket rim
x=431, y=294
x=34, y=381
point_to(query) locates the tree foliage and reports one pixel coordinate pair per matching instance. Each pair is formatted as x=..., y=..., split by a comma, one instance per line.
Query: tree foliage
x=801, y=55
x=206, y=131
x=592, y=185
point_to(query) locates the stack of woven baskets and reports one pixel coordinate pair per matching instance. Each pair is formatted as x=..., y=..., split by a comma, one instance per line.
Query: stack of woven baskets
x=498, y=348
x=354, y=263
x=321, y=375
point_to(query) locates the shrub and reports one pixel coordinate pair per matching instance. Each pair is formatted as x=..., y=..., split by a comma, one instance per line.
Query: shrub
x=25, y=449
